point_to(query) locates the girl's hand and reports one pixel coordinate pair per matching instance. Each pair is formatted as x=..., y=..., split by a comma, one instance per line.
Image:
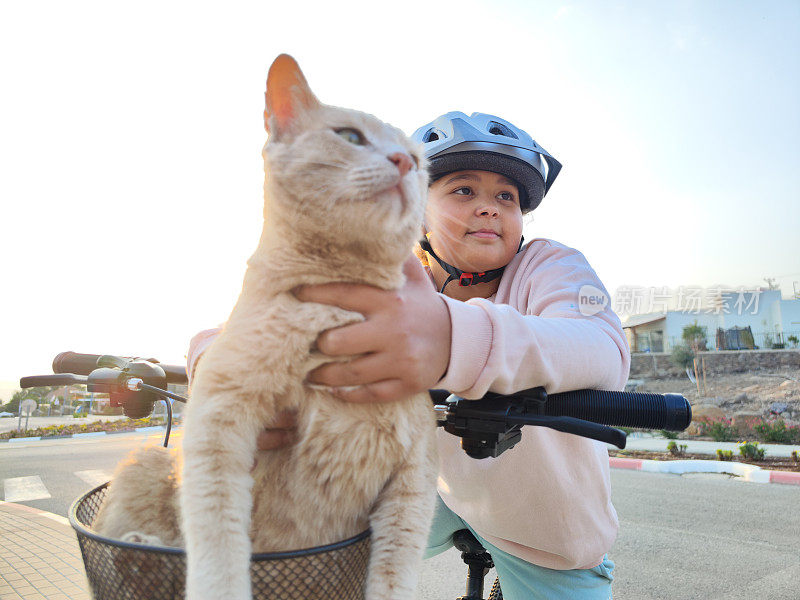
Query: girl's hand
x=403, y=343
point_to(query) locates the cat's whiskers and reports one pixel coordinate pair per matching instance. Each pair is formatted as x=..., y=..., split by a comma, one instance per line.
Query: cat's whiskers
x=313, y=162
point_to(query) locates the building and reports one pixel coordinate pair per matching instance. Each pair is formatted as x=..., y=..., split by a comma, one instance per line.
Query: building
x=771, y=320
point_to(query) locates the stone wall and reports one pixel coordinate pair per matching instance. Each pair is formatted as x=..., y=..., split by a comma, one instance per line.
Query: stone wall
x=658, y=364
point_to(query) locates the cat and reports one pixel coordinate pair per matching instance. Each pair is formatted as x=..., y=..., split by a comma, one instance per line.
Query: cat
x=344, y=200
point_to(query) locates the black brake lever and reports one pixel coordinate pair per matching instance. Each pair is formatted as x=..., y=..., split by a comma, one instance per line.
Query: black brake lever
x=45, y=380
x=587, y=429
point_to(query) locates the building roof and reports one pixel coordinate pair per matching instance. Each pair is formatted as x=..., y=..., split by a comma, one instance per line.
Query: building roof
x=636, y=320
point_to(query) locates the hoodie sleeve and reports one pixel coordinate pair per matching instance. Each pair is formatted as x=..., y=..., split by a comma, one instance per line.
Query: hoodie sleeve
x=549, y=332
x=197, y=346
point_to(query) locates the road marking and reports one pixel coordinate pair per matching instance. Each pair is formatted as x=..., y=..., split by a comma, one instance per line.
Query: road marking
x=22, y=489
x=94, y=477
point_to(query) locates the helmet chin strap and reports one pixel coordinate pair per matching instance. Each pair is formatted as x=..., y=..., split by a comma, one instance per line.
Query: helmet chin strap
x=464, y=278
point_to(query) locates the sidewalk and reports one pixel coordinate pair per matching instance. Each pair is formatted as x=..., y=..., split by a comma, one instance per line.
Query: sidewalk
x=746, y=472
x=658, y=444
x=39, y=556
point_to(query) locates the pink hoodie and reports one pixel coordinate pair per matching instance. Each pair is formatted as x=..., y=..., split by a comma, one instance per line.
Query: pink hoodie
x=547, y=500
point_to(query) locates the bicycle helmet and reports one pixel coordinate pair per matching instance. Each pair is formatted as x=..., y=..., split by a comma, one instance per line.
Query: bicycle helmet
x=457, y=142
x=482, y=142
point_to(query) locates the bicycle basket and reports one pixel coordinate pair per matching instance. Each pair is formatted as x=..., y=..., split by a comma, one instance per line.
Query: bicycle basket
x=124, y=571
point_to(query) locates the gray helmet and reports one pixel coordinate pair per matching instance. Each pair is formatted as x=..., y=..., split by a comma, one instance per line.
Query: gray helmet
x=457, y=142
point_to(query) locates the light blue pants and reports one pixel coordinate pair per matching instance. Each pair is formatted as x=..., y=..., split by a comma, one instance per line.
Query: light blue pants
x=521, y=580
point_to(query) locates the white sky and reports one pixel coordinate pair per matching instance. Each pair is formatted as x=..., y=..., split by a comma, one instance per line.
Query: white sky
x=130, y=140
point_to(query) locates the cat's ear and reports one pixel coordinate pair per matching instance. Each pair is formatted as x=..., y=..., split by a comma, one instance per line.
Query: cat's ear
x=287, y=97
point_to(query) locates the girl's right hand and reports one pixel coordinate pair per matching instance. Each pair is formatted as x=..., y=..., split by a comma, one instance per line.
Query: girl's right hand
x=280, y=433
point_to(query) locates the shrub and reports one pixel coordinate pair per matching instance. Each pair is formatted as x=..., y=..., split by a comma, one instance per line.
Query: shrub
x=670, y=435
x=792, y=339
x=695, y=336
x=719, y=431
x=750, y=450
x=795, y=458
x=778, y=432
x=121, y=424
x=677, y=449
x=682, y=356
x=724, y=454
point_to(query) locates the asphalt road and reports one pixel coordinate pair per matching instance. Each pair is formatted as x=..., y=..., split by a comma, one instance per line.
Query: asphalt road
x=705, y=537
x=65, y=468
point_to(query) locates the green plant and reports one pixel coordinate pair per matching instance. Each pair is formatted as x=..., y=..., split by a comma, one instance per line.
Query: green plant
x=682, y=356
x=792, y=339
x=118, y=425
x=36, y=393
x=724, y=454
x=719, y=431
x=670, y=435
x=751, y=450
x=778, y=432
x=677, y=449
x=695, y=336
x=795, y=458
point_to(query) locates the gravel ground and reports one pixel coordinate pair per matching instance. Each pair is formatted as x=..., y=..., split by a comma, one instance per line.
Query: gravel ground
x=751, y=392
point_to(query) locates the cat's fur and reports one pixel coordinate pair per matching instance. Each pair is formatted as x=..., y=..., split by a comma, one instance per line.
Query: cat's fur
x=334, y=211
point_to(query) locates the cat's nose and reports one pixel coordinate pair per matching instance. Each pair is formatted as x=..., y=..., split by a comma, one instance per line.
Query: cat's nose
x=403, y=162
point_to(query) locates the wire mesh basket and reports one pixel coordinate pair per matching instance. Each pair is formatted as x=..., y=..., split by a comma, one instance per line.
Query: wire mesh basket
x=125, y=571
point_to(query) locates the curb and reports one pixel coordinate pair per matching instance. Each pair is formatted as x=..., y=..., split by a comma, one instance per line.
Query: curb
x=35, y=511
x=750, y=473
x=90, y=434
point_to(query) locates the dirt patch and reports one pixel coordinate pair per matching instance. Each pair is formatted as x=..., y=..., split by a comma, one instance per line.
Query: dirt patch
x=738, y=392
x=774, y=463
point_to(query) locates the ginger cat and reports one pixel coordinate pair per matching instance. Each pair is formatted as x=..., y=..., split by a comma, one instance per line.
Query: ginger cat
x=344, y=201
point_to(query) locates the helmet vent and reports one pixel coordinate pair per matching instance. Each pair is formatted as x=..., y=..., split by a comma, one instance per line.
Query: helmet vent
x=496, y=128
x=432, y=135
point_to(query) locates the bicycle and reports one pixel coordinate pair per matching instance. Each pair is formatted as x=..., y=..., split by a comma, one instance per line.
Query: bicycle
x=487, y=427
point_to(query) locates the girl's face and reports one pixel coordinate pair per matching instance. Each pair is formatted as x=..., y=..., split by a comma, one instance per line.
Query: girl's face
x=474, y=220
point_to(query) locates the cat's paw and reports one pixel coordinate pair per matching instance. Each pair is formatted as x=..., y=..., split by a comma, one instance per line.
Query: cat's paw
x=136, y=537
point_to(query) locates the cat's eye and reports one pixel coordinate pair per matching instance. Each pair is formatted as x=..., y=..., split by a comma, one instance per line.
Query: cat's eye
x=354, y=136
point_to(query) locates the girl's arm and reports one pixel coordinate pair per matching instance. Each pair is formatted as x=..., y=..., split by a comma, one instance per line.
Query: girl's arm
x=197, y=346
x=539, y=337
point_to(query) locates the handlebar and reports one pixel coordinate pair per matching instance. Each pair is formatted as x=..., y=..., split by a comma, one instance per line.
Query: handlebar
x=83, y=364
x=490, y=426
x=487, y=427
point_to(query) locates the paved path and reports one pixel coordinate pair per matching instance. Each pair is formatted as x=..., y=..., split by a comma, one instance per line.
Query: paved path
x=39, y=556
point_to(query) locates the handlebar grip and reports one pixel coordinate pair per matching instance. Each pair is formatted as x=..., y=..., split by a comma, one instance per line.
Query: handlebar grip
x=73, y=362
x=83, y=364
x=623, y=409
x=175, y=373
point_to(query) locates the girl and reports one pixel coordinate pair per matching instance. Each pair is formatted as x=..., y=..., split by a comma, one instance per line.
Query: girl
x=506, y=317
